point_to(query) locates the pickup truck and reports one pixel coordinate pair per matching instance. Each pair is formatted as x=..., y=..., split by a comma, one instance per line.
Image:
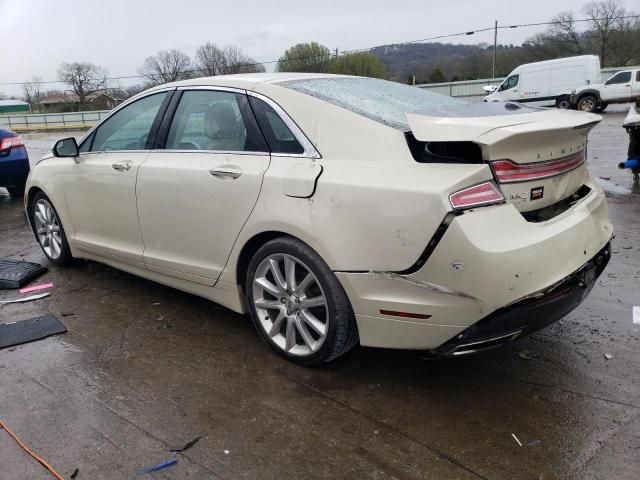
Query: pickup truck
x=623, y=87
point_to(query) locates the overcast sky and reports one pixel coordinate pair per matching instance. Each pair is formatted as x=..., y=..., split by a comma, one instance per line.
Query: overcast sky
x=37, y=35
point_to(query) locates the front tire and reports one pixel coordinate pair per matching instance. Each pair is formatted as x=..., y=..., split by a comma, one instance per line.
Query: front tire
x=49, y=230
x=298, y=305
x=588, y=103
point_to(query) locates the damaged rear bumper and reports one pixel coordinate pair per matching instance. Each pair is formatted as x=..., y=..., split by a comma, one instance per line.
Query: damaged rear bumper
x=529, y=314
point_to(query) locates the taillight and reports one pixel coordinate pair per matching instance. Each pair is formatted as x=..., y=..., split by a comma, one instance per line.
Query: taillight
x=486, y=193
x=11, y=142
x=508, y=172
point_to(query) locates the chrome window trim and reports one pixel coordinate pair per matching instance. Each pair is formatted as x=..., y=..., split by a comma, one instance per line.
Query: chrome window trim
x=310, y=150
x=124, y=104
x=216, y=152
x=212, y=87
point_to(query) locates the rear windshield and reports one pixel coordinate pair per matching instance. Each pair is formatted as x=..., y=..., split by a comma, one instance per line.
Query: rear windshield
x=380, y=100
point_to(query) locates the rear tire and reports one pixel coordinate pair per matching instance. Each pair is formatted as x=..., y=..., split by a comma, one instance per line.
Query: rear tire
x=16, y=191
x=298, y=305
x=602, y=107
x=588, y=103
x=49, y=230
x=563, y=103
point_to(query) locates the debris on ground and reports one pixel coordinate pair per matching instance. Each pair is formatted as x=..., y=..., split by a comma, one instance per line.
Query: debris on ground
x=605, y=178
x=227, y=452
x=187, y=445
x=516, y=439
x=26, y=299
x=608, y=356
x=75, y=473
x=35, y=288
x=527, y=355
x=24, y=331
x=533, y=443
x=17, y=273
x=636, y=314
x=160, y=466
x=4, y=427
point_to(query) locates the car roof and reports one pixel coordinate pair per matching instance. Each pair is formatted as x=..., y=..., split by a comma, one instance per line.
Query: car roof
x=248, y=80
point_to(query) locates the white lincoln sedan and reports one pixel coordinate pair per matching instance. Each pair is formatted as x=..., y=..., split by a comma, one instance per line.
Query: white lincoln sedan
x=336, y=210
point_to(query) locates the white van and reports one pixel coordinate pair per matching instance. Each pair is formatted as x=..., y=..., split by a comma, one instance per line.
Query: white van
x=548, y=83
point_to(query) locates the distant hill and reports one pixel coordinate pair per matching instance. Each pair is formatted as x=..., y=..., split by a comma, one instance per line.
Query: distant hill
x=454, y=61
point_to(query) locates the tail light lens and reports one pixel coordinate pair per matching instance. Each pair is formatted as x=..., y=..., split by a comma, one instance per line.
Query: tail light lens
x=508, y=172
x=486, y=193
x=11, y=142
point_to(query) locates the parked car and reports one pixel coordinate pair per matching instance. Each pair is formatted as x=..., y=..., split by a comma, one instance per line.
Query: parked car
x=623, y=87
x=549, y=83
x=14, y=162
x=336, y=210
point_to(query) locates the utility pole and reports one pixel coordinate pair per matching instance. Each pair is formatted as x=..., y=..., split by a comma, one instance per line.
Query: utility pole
x=495, y=47
x=336, y=54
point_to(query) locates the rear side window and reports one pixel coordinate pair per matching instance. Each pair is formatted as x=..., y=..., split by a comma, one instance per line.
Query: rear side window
x=214, y=120
x=276, y=132
x=129, y=128
x=380, y=100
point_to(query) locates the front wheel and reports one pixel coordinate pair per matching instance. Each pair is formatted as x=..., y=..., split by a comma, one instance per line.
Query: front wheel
x=298, y=305
x=49, y=231
x=588, y=103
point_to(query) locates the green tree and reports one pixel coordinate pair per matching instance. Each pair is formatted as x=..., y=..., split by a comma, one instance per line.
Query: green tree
x=362, y=64
x=436, y=76
x=305, y=57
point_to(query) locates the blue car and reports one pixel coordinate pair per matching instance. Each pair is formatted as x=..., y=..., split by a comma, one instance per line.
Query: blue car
x=14, y=162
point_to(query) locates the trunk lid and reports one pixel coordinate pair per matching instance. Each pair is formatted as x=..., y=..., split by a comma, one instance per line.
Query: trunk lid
x=538, y=156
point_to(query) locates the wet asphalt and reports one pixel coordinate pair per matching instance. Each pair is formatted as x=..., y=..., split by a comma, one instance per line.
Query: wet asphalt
x=145, y=368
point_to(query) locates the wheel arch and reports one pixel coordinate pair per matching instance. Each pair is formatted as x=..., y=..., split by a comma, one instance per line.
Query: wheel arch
x=584, y=93
x=250, y=247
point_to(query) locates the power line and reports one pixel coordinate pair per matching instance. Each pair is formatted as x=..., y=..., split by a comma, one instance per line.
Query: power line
x=437, y=37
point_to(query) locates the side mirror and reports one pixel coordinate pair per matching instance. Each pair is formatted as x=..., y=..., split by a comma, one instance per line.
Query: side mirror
x=67, y=147
x=489, y=88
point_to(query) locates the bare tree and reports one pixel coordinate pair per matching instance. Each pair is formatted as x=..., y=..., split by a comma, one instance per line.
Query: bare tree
x=606, y=22
x=32, y=92
x=239, y=62
x=167, y=66
x=564, y=32
x=211, y=59
x=84, y=78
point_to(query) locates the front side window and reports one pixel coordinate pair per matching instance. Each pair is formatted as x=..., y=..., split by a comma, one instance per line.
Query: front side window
x=214, y=120
x=129, y=128
x=380, y=100
x=510, y=82
x=622, y=77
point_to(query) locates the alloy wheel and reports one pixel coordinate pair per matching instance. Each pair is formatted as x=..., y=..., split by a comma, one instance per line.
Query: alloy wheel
x=290, y=304
x=587, y=105
x=48, y=228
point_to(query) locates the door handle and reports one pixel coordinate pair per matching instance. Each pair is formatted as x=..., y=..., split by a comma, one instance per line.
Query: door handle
x=122, y=166
x=226, y=172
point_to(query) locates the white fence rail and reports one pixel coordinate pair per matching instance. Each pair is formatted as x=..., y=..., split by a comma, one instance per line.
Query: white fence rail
x=471, y=90
x=51, y=121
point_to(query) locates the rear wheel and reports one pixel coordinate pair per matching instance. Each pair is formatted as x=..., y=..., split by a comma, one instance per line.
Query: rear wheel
x=588, y=103
x=563, y=103
x=298, y=305
x=602, y=107
x=16, y=190
x=49, y=231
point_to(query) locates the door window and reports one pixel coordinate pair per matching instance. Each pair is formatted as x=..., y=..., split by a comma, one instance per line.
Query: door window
x=622, y=77
x=129, y=128
x=214, y=120
x=510, y=82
